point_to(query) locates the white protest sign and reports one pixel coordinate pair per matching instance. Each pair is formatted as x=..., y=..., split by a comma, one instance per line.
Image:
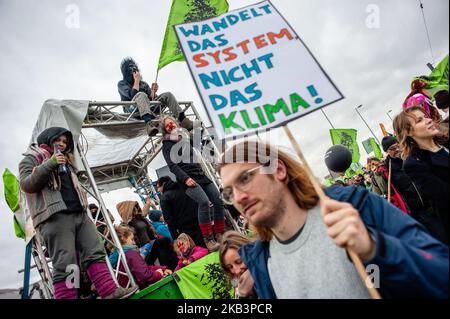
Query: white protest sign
x=252, y=71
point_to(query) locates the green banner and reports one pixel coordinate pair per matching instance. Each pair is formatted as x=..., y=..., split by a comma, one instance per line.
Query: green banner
x=376, y=148
x=371, y=146
x=204, y=279
x=184, y=11
x=438, y=79
x=12, y=197
x=347, y=137
x=367, y=146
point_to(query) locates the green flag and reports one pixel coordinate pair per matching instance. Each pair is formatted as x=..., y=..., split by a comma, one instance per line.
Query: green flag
x=347, y=137
x=371, y=146
x=12, y=197
x=184, y=11
x=367, y=146
x=204, y=279
x=376, y=148
x=438, y=79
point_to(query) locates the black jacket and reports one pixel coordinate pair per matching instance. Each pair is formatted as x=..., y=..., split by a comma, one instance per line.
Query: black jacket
x=409, y=191
x=180, y=212
x=429, y=171
x=125, y=86
x=127, y=92
x=186, y=167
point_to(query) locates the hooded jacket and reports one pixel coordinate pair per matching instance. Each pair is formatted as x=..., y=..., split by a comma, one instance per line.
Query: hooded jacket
x=125, y=86
x=45, y=193
x=143, y=230
x=412, y=264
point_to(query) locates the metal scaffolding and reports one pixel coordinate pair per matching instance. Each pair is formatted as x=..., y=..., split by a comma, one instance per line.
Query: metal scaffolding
x=126, y=174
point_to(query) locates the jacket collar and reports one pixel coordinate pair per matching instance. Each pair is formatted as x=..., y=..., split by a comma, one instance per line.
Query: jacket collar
x=438, y=159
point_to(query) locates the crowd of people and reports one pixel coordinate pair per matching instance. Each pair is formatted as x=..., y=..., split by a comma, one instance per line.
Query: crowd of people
x=393, y=215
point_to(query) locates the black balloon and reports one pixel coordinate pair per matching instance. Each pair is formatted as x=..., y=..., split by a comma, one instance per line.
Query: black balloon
x=338, y=159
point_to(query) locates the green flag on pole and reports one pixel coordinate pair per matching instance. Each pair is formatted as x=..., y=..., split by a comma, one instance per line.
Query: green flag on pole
x=376, y=148
x=347, y=137
x=204, y=279
x=367, y=146
x=12, y=197
x=184, y=11
x=438, y=79
x=371, y=146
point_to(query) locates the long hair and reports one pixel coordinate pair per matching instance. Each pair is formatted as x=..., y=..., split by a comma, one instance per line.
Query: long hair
x=403, y=126
x=297, y=180
x=231, y=240
x=123, y=232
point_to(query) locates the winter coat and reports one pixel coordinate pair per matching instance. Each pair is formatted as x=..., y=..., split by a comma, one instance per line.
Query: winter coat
x=406, y=187
x=196, y=254
x=143, y=274
x=180, y=212
x=412, y=263
x=39, y=180
x=429, y=171
x=378, y=185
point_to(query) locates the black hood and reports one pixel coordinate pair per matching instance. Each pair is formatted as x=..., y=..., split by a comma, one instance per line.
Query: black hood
x=127, y=70
x=49, y=135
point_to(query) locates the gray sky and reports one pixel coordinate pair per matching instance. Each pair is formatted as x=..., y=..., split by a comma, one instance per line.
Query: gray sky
x=41, y=58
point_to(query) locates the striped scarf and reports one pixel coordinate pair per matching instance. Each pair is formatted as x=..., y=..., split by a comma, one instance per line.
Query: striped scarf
x=43, y=153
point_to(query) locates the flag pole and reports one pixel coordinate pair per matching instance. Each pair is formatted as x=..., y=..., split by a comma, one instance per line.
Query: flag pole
x=156, y=81
x=390, y=181
x=322, y=196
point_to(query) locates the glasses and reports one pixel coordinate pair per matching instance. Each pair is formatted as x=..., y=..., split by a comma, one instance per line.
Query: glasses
x=393, y=147
x=243, y=183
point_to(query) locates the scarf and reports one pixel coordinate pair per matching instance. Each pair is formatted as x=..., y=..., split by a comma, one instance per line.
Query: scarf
x=43, y=153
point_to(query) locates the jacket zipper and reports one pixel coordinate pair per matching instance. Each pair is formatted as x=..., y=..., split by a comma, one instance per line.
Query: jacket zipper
x=418, y=193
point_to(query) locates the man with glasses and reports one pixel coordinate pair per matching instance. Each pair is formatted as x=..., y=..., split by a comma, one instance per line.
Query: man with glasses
x=299, y=253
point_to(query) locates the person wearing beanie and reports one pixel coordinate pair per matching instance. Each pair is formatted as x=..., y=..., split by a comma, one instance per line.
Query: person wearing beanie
x=157, y=220
x=387, y=142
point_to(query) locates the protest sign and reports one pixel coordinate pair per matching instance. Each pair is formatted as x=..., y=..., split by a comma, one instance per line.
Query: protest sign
x=252, y=71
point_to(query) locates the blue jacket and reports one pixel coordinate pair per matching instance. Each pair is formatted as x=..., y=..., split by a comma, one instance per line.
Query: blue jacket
x=162, y=229
x=412, y=263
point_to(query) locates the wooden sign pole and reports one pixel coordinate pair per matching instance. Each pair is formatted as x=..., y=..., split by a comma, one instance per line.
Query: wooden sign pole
x=322, y=196
x=390, y=181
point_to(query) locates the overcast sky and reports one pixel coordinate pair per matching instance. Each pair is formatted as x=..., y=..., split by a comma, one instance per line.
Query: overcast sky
x=42, y=58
